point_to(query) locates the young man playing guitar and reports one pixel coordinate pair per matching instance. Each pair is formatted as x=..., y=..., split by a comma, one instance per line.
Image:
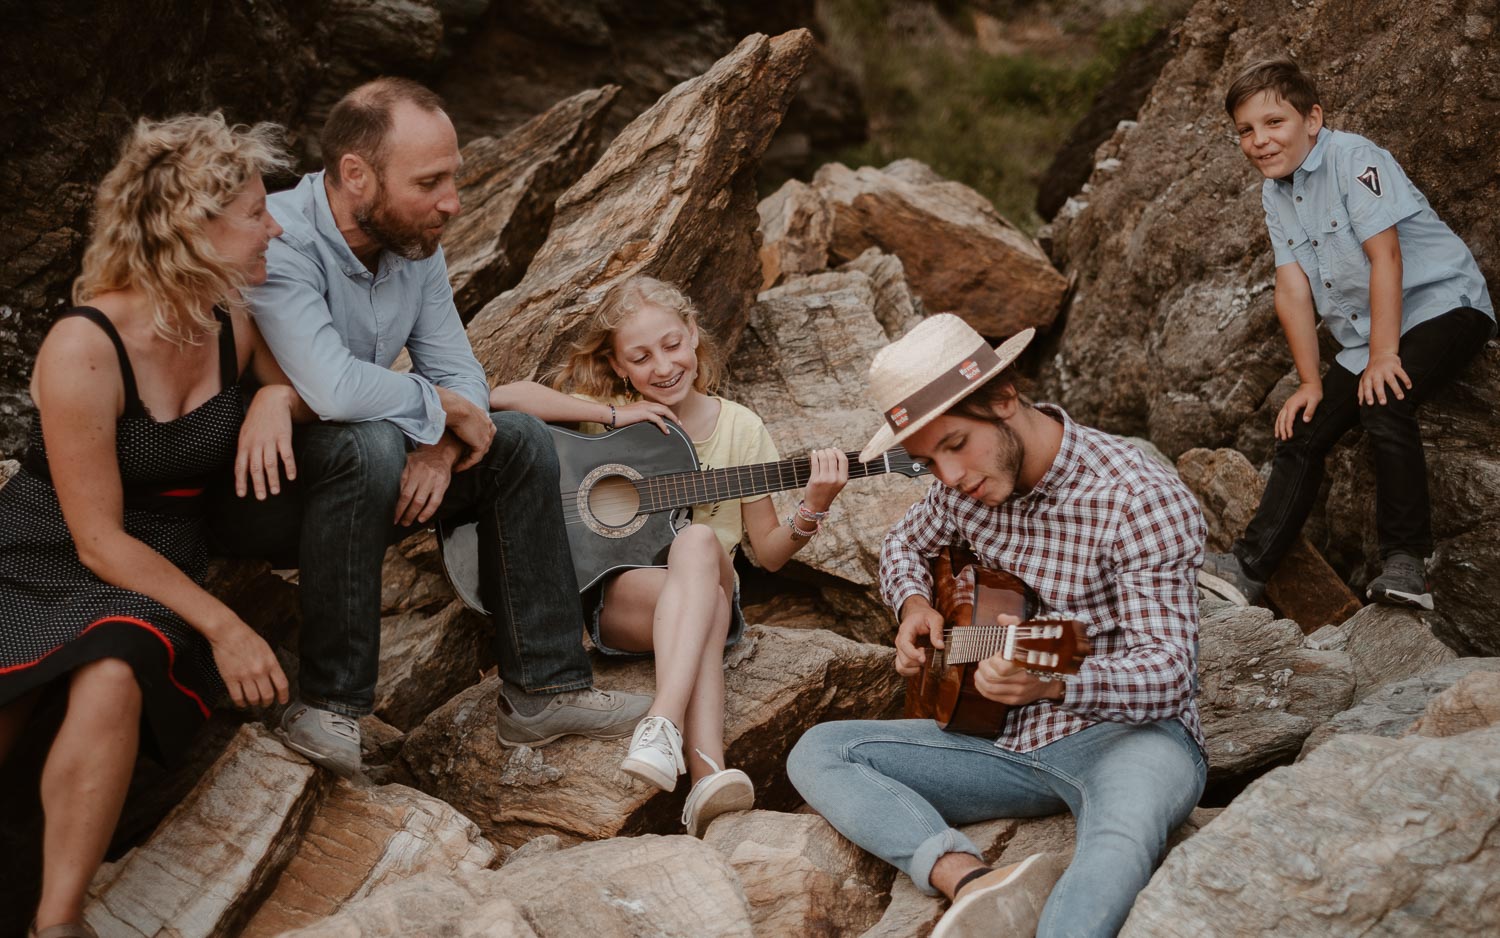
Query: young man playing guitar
x=1101, y=534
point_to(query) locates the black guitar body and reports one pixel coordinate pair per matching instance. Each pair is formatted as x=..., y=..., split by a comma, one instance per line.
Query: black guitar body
x=607, y=531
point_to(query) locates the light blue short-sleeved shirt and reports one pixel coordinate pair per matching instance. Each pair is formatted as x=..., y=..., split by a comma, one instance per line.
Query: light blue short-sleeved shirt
x=336, y=328
x=1347, y=191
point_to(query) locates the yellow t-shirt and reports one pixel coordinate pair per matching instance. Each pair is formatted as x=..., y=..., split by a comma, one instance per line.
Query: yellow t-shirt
x=738, y=439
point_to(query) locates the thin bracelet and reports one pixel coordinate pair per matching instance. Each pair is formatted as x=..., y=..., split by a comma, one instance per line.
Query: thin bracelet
x=611, y=417
x=797, y=533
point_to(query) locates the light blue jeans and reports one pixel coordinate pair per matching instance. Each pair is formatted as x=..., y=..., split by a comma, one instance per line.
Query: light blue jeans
x=897, y=788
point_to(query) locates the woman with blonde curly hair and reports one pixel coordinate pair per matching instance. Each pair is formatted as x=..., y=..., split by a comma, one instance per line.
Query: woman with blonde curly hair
x=102, y=542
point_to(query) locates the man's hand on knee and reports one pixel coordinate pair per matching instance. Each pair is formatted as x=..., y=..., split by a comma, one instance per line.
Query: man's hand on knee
x=470, y=423
x=425, y=480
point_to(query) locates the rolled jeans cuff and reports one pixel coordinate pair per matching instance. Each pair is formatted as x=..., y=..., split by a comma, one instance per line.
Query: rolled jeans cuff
x=347, y=710
x=931, y=850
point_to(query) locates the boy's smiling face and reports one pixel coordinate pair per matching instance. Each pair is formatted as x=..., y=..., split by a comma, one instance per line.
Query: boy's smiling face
x=1274, y=135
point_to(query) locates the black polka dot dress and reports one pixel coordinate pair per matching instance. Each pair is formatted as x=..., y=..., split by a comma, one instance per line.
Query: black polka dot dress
x=56, y=615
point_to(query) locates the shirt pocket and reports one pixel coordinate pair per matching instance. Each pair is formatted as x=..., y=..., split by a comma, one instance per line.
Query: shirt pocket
x=1335, y=237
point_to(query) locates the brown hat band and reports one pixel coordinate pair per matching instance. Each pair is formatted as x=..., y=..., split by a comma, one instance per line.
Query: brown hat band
x=970, y=369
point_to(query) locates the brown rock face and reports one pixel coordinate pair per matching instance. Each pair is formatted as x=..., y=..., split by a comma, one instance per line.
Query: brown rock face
x=364, y=839
x=673, y=197
x=212, y=859
x=508, y=186
x=960, y=255
x=1471, y=704
x=778, y=683
x=1304, y=588
x=795, y=228
x=1391, y=710
x=1172, y=333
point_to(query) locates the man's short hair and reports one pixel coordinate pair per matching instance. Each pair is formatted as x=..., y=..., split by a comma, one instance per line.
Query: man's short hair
x=1281, y=77
x=361, y=121
x=981, y=404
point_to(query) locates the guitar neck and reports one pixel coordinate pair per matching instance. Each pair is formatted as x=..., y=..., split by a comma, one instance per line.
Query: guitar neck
x=683, y=489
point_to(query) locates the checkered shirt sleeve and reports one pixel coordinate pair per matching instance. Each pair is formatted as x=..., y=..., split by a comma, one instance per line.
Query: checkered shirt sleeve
x=1107, y=537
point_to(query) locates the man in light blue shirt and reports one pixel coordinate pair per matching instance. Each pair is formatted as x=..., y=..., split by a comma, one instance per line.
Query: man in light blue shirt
x=356, y=277
x=1357, y=244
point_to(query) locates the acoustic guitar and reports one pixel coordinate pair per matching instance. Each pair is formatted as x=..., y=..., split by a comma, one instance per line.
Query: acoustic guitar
x=627, y=492
x=969, y=598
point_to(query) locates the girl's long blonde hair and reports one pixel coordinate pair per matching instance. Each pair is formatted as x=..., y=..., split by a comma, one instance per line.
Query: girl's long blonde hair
x=587, y=369
x=151, y=213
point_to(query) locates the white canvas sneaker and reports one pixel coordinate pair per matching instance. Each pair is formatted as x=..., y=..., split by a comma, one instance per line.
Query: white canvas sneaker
x=655, y=753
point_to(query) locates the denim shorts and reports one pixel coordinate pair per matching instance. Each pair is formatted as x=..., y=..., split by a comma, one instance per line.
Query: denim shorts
x=593, y=606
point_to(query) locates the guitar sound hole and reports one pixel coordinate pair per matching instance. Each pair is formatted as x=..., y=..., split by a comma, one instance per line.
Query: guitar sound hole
x=614, y=501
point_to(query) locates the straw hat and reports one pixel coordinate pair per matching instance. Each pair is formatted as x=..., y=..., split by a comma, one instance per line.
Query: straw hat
x=934, y=366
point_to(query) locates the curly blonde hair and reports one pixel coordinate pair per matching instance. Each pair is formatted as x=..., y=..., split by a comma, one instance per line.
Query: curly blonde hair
x=151, y=213
x=587, y=369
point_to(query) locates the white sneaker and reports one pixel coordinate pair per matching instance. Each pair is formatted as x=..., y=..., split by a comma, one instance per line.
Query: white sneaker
x=722, y=791
x=655, y=753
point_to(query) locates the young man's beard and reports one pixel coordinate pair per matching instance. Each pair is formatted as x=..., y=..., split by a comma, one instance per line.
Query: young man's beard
x=402, y=239
x=1012, y=452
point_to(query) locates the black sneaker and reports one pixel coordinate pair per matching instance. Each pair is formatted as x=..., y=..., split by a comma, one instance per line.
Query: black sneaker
x=1402, y=582
x=1222, y=577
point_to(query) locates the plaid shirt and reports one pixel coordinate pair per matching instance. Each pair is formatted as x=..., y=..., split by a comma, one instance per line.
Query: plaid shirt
x=1108, y=537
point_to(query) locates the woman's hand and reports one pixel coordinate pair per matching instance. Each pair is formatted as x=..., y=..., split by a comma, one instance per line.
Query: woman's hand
x=265, y=437
x=1305, y=400
x=830, y=473
x=642, y=412
x=1383, y=371
x=248, y=666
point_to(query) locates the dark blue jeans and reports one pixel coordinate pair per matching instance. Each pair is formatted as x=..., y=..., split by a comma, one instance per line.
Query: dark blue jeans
x=1432, y=355
x=335, y=522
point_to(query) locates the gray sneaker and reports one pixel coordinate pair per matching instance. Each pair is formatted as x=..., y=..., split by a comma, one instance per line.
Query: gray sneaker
x=590, y=712
x=1222, y=577
x=328, y=739
x=1402, y=582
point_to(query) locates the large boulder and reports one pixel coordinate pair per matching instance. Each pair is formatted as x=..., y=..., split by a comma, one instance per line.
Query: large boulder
x=212, y=860
x=360, y=840
x=1171, y=332
x=508, y=186
x=673, y=197
x=1389, y=643
x=1392, y=709
x=961, y=255
x=1263, y=691
x=800, y=366
x=1366, y=836
x=621, y=888
x=778, y=683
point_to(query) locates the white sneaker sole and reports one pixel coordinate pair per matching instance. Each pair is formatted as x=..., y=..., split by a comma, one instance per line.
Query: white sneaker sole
x=1398, y=598
x=648, y=773
x=734, y=793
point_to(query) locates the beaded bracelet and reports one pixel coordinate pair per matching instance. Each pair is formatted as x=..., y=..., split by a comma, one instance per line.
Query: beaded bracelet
x=611, y=417
x=807, y=514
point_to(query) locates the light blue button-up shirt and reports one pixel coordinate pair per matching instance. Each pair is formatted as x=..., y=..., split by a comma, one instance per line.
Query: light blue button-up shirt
x=1347, y=191
x=335, y=328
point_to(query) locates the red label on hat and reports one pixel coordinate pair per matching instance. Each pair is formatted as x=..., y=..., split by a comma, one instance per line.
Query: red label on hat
x=969, y=369
x=899, y=417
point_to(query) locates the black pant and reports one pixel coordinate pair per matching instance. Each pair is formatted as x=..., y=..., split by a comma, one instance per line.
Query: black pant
x=1432, y=355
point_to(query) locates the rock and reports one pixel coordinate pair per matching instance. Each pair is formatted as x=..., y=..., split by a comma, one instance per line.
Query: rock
x=212, y=859
x=795, y=228
x=1304, y=588
x=1392, y=710
x=961, y=256
x=508, y=186
x=778, y=683
x=620, y=888
x=8, y=468
x=1172, y=333
x=800, y=366
x=672, y=197
x=1263, y=693
x=363, y=839
x=426, y=659
x=799, y=875
x=1366, y=836
x=1471, y=704
x=897, y=308
x=1388, y=643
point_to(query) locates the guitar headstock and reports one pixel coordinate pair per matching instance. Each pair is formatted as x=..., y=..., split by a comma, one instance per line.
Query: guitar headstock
x=897, y=459
x=1049, y=647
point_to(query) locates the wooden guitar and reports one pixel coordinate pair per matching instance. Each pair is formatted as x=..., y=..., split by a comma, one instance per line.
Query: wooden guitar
x=626, y=493
x=969, y=597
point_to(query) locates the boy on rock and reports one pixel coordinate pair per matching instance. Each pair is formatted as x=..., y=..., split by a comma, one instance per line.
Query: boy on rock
x=1357, y=244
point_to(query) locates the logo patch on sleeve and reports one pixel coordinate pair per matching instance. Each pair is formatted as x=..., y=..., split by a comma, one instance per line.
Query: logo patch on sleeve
x=1370, y=179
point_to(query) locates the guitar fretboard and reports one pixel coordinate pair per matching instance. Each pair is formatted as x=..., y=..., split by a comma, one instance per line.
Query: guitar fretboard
x=682, y=489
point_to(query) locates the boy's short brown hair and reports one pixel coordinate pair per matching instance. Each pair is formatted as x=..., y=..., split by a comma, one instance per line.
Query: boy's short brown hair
x=1281, y=77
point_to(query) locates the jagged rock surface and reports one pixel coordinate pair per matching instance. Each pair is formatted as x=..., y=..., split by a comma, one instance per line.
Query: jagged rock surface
x=778, y=682
x=1263, y=692
x=1171, y=331
x=960, y=255
x=673, y=197
x=1392, y=709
